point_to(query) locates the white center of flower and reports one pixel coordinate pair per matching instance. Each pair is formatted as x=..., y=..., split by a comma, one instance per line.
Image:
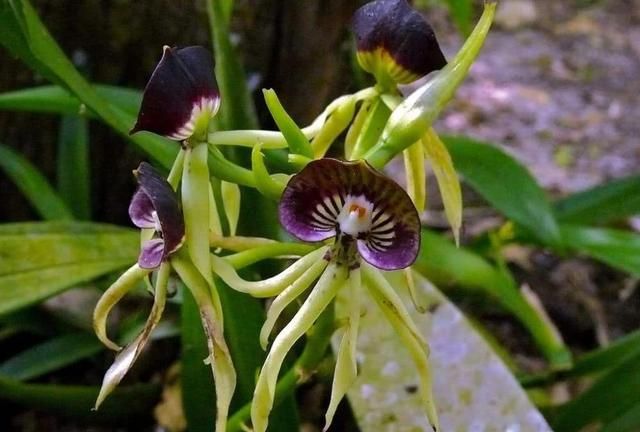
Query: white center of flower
x=156, y=221
x=355, y=216
x=202, y=111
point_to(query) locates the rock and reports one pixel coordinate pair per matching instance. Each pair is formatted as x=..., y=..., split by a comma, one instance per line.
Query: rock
x=514, y=14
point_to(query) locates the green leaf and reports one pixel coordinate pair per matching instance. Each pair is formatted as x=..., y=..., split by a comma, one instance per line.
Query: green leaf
x=33, y=185
x=198, y=388
x=473, y=389
x=594, y=362
x=40, y=260
x=43, y=47
x=237, y=110
x=19, y=290
x=610, y=398
x=32, y=251
x=12, y=38
x=50, y=355
x=125, y=405
x=506, y=184
x=59, y=227
x=601, y=204
x=74, y=180
x=619, y=249
x=56, y=100
x=445, y=264
x=606, y=357
x=627, y=422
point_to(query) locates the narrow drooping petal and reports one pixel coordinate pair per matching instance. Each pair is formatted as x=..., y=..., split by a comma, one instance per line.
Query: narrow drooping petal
x=127, y=357
x=320, y=297
x=266, y=287
x=181, y=95
x=125, y=283
x=155, y=205
x=329, y=197
x=395, y=42
x=346, y=363
x=393, y=309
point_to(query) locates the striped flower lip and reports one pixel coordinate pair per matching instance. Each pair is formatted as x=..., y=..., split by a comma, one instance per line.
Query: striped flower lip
x=155, y=205
x=181, y=95
x=352, y=201
x=395, y=42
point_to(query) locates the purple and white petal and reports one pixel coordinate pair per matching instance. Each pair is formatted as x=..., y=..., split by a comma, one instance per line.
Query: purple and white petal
x=312, y=201
x=152, y=253
x=181, y=90
x=141, y=210
x=330, y=196
x=394, y=38
x=166, y=206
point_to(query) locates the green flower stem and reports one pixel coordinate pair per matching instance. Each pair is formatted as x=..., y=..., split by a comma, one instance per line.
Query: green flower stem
x=176, y=170
x=208, y=301
x=287, y=296
x=333, y=278
x=393, y=309
x=249, y=138
x=231, y=203
x=228, y=171
x=125, y=283
x=416, y=175
x=298, y=142
x=267, y=287
x=412, y=118
x=267, y=185
x=238, y=243
x=333, y=127
x=354, y=130
x=195, y=203
x=276, y=139
x=299, y=161
x=371, y=128
x=276, y=250
x=361, y=95
x=337, y=122
x=318, y=339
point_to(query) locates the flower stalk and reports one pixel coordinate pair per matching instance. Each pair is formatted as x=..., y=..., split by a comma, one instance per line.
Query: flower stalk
x=412, y=118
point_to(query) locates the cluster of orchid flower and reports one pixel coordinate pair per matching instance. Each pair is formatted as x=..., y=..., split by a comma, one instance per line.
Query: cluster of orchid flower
x=356, y=222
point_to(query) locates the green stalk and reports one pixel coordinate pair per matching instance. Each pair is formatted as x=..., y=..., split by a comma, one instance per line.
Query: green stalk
x=252, y=256
x=413, y=117
x=372, y=128
x=195, y=203
x=298, y=142
x=318, y=339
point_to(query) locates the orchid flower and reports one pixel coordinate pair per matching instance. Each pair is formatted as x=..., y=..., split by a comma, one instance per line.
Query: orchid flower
x=154, y=206
x=370, y=224
x=179, y=102
x=398, y=46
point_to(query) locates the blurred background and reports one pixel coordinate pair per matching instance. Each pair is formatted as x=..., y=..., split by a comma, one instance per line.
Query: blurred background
x=556, y=86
